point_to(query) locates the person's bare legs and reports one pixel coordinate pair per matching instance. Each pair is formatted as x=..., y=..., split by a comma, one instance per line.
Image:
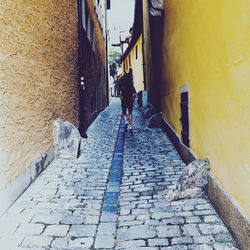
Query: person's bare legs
x=125, y=118
x=130, y=118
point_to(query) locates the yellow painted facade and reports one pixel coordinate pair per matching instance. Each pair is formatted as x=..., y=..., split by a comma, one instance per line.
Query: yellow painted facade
x=206, y=44
x=134, y=60
x=39, y=79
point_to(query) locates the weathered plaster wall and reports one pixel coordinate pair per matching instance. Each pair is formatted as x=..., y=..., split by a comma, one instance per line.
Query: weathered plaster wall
x=206, y=45
x=38, y=84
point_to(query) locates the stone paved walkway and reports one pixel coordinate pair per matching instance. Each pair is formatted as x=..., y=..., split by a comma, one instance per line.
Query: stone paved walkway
x=112, y=197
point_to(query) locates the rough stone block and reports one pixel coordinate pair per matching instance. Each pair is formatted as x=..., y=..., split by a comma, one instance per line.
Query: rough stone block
x=192, y=181
x=67, y=140
x=155, y=121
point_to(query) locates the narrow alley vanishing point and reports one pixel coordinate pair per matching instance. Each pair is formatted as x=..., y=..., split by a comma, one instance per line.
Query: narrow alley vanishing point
x=112, y=197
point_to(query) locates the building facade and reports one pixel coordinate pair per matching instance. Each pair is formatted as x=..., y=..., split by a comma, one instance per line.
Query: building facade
x=132, y=57
x=42, y=80
x=197, y=66
x=94, y=93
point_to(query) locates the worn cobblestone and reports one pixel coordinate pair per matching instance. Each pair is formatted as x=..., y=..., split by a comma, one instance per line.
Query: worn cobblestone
x=112, y=197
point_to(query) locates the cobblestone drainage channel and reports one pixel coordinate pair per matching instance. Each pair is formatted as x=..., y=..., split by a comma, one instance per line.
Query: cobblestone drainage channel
x=110, y=203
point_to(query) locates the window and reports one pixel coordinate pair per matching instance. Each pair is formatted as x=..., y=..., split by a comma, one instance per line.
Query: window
x=136, y=52
x=129, y=61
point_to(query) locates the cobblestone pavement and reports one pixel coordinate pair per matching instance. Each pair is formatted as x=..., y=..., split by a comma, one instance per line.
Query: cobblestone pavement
x=112, y=197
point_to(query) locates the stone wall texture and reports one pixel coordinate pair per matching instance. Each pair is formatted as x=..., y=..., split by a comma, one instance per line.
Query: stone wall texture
x=38, y=78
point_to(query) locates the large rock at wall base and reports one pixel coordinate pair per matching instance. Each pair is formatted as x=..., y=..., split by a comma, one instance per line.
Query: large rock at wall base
x=192, y=182
x=155, y=121
x=67, y=140
x=149, y=112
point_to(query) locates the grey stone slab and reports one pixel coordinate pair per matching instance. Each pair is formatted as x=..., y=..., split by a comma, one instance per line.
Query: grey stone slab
x=91, y=219
x=104, y=241
x=130, y=223
x=126, y=218
x=30, y=229
x=193, y=219
x=204, y=212
x=211, y=218
x=47, y=219
x=108, y=217
x=175, y=247
x=136, y=232
x=82, y=230
x=174, y=221
x=168, y=231
x=106, y=228
x=60, y=243
x=56, y=230
x=190, y=230
x=223, y=237
x=225, y=246
x=200, y=247
x=72, y=220
x=130, y=244
x=81, y=243
x=158, y=242
x=212, y=229
x=207, y=239
x=37, y=241
x=181, y=240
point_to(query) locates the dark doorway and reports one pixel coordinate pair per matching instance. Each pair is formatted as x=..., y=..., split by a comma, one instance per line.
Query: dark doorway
x=185, y=119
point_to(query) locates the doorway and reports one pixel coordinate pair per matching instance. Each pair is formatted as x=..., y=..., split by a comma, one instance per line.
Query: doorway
x=184, y=107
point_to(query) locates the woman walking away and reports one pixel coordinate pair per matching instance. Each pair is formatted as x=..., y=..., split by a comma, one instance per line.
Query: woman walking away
x=127, y=95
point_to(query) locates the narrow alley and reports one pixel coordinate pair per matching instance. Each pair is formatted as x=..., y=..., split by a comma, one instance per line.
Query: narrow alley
x=113, y=197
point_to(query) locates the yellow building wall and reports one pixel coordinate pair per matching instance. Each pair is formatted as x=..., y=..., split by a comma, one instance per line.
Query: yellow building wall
x=38, y=79
x=136, y=65
x=100, y=39
x=206, y=44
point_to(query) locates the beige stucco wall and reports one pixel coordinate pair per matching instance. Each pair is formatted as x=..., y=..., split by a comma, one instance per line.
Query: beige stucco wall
x=38, y=78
